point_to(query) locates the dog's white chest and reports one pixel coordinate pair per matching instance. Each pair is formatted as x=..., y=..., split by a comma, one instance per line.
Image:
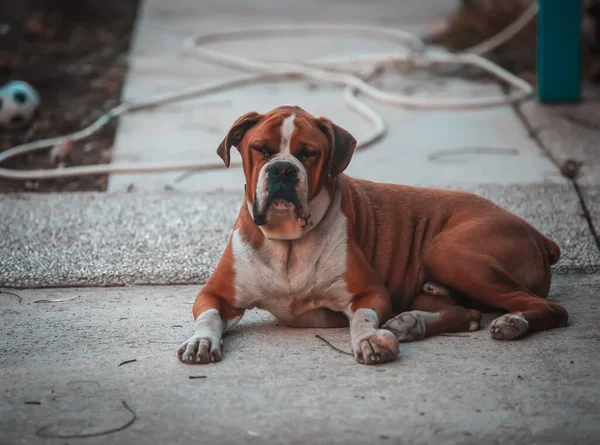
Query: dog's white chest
x=291, y=278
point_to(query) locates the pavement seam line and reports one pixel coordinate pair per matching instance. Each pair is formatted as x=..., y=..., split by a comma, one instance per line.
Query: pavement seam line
x=571, y=178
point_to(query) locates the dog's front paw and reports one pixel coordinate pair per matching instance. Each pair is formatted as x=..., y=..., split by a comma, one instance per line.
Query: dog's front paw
x=509, y=327
x=380, y=347
x=201, y=350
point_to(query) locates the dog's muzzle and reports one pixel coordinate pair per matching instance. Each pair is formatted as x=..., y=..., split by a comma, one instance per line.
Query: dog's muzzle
x=282, y=179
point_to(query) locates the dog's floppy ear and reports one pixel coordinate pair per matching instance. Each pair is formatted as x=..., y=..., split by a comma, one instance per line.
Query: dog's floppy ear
x=341, y=145
x=235, y=134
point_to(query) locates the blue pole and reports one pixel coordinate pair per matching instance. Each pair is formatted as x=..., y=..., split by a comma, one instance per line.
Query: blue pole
x=559, y=51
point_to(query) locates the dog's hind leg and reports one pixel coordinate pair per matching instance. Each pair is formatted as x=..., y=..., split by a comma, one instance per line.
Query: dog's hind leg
x=432, y=313
x=483, y=276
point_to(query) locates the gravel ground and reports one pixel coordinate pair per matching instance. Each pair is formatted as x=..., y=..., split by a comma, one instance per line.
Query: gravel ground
x=95, y=239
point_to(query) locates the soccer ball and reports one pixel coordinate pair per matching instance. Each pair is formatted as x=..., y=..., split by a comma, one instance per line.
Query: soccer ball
x=18, y=102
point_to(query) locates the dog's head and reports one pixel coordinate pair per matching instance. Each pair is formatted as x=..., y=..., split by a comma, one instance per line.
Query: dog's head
x=290, y=159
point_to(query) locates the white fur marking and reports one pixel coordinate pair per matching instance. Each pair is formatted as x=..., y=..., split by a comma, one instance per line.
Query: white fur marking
x=509, y=327
x=411, y=325
x=370, y=344
x=363, y=323
x=317, y=208
x=287, y=128
x=209, y=325
x=208, y=331
x=290, y=278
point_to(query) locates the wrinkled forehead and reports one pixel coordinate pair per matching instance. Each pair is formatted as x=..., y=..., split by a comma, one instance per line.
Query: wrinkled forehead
x=287, y=127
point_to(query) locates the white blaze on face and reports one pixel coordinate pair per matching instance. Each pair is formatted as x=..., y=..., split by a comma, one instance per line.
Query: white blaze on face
x=287, y=128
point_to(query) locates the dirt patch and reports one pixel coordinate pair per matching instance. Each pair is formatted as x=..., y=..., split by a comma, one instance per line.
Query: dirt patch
x=74, y=53
x=478, y=20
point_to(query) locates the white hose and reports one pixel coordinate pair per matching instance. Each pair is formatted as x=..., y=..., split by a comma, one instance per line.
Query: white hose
x=324, y=70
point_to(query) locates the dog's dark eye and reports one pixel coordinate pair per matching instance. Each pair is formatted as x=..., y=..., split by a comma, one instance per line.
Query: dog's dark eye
x=264, y=150
x=307, y=154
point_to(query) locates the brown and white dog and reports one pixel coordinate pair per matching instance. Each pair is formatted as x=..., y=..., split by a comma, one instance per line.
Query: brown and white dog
x=317, y=248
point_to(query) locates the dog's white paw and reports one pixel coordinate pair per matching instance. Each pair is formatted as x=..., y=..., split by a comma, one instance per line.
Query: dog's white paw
x=380, y=347
x=201, y=350
x=407, y=326
x=435, y=289
x=509, y=327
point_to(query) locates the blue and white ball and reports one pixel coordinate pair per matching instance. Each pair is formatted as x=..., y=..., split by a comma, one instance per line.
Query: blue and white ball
x=18, y=102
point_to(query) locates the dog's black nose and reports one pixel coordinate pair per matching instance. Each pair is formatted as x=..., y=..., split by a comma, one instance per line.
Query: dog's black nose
x=282, y=170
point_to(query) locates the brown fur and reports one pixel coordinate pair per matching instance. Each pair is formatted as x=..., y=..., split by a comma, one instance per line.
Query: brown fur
x=401, y=237
x=466, y=243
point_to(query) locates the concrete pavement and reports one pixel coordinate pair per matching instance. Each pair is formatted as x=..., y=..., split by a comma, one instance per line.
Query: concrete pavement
x=570, y=132
x=60, y=376
x=420, y=147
